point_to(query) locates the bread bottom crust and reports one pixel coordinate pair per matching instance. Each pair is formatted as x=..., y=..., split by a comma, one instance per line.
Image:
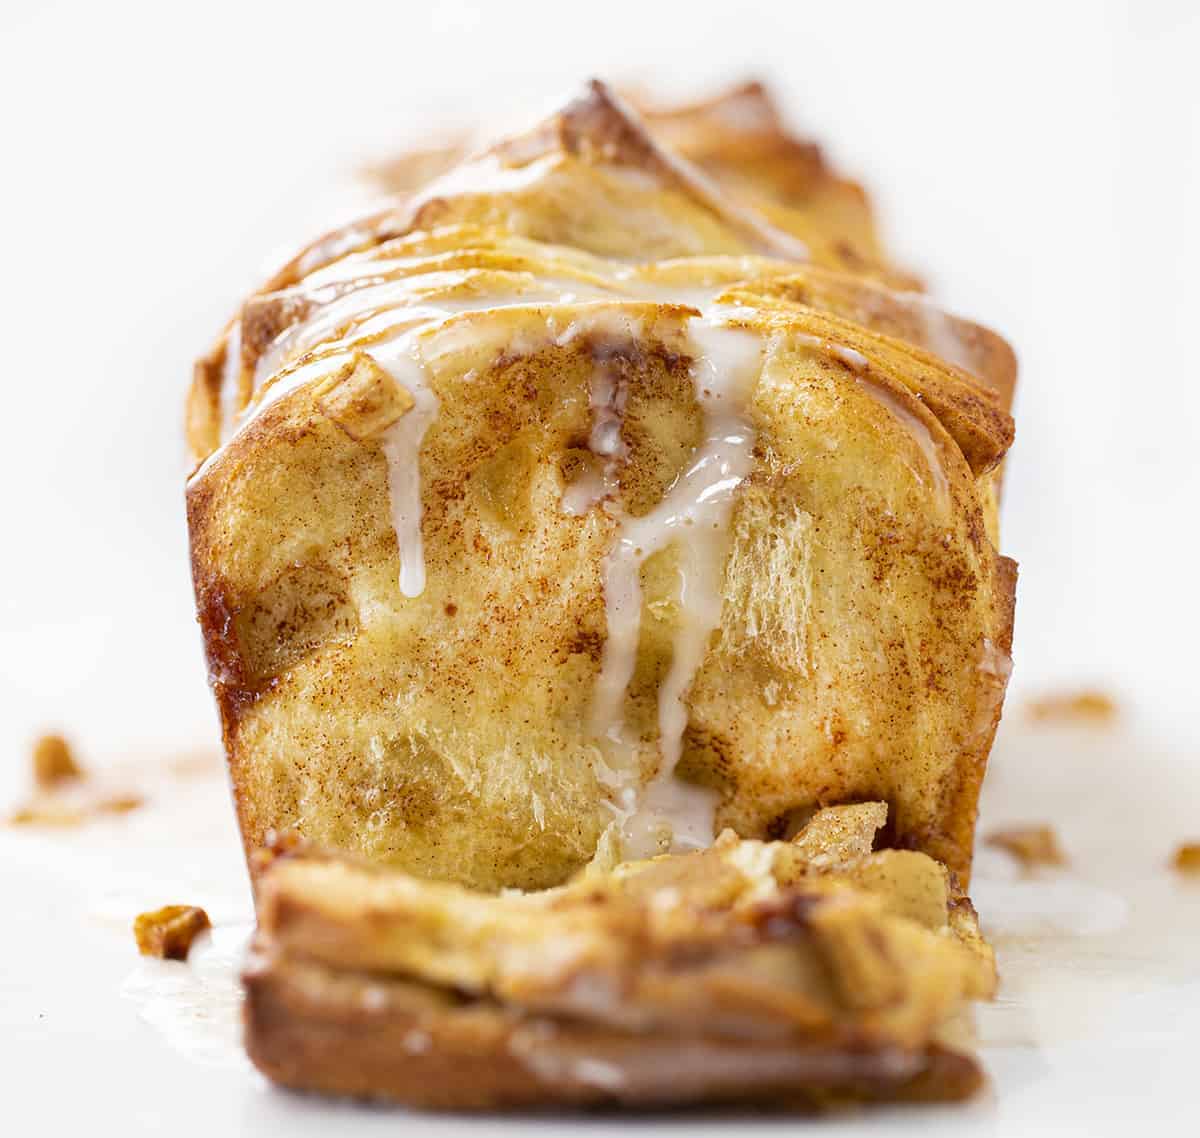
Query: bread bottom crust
x=312, y=1029
x=799, y=974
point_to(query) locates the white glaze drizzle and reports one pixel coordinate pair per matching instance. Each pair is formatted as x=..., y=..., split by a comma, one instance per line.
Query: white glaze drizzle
x=197, y=1004
x=402, y=449
x=402, y=442
x=589, y=488
x=694, y=516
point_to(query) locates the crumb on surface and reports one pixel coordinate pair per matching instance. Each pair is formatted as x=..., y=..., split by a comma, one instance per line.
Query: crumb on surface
x=63, y=793
x=168, y=933
x=54, y=761
x=44, y=811
x=56, y=807
x=1187, y=858
x=1086, y=705
x=1031, y=845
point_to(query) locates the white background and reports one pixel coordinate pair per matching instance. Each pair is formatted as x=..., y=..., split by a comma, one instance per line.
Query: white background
x=1039, y=162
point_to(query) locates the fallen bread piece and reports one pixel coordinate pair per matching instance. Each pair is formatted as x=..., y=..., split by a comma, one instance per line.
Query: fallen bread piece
x=1187, y=858
x=1084, y=706
x=1031, y=845
x=64, y=793
x=74, y=802
x=801, y=973
x=53, y=762
x=169, y=932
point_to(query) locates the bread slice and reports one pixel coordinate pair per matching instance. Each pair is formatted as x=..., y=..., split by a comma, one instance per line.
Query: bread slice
x=802, y=973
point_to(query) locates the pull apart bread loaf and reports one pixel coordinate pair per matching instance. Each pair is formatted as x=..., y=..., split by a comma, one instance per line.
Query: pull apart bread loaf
x=568, y=513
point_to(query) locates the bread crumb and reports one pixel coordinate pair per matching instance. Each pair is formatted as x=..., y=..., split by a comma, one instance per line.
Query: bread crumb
x=72, y=802
x=1030, y=845
x=45, y=811
x=168, y=933
x=1083, y=706
x=1187, y=858
x=54, y=761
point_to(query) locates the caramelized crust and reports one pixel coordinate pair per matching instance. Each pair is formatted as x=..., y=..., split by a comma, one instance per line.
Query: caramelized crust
x=313, y=1029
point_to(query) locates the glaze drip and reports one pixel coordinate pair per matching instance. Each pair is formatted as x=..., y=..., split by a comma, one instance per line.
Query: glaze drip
x=667, y=814
x=402, y=449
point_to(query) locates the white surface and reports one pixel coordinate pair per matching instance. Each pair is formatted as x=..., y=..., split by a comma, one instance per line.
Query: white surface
x=1094, y=1030
x=1040, y=162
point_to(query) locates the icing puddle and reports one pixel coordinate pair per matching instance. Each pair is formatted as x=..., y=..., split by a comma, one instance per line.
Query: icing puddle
x=1101, y=954
x=197, y=1004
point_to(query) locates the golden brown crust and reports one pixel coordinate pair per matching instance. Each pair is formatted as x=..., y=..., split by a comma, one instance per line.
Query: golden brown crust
x=313, y=1031
x=911, y=319
x=601, y=130
x=970, y=411
x=739, y=140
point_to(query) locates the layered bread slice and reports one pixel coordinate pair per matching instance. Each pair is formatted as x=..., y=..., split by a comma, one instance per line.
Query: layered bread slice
x=804, y=973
